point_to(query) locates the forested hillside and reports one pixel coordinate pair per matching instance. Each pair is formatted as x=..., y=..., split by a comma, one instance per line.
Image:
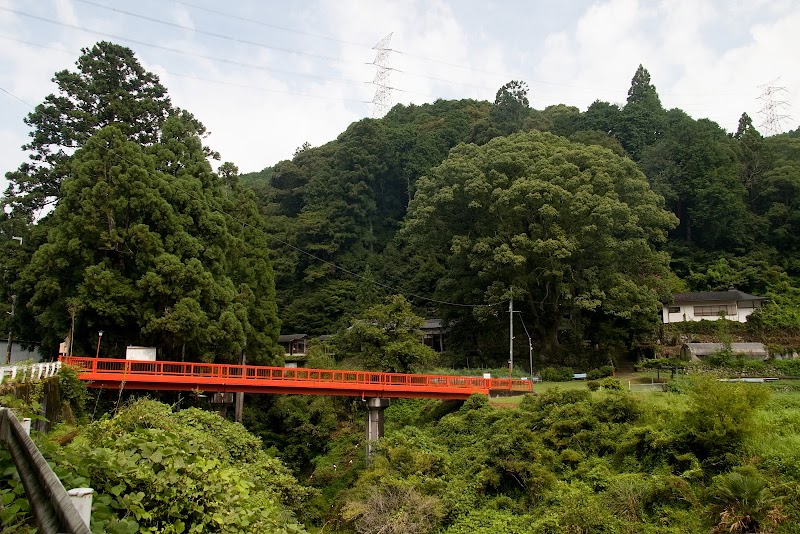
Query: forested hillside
x=632, y=203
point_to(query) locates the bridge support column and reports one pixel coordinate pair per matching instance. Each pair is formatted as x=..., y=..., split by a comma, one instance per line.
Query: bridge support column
x=375, y=407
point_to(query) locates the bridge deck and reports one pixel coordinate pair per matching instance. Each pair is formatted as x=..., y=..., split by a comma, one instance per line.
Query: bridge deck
x=208, y=377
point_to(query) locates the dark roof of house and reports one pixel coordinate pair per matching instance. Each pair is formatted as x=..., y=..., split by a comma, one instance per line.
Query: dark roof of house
x=705, y=296
x=286, y=338
x=432, y=324
x=326, y=337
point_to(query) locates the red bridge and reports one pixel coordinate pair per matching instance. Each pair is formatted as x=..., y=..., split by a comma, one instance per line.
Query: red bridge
x=208, y=377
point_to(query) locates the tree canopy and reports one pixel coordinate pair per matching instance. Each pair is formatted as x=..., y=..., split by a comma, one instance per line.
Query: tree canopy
x=110, y=86
x=145, y=241
x=572, y=229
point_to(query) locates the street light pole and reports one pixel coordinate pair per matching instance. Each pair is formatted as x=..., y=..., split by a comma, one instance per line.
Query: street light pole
x=99, y=337
x=511, y=334
x=530, y=343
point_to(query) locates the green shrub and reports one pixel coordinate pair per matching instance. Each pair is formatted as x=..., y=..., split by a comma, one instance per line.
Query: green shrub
x=593, y=385
x=600, y=372
x=720, y=416
x=722, y=358
x=788, y=367
x=611, y=383
x=557, y=374
x=675, y=387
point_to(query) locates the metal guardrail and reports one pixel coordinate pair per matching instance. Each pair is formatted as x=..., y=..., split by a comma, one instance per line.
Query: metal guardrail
x=34, y=371
x=53, y=509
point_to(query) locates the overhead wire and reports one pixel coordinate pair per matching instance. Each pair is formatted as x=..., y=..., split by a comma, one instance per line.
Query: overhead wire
x=170, y=49
x=216, y=35
x=219, y=82
x=12, y=95
x=300, y=250
x=268, y=25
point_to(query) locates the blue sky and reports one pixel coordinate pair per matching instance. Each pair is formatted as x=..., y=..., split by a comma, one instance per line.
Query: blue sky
x=285, y=73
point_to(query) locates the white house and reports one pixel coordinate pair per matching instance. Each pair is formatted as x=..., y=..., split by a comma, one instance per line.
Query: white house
x=733, y=305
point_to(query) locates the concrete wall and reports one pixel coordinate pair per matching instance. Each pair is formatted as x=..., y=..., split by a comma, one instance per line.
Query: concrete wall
x=18, y=354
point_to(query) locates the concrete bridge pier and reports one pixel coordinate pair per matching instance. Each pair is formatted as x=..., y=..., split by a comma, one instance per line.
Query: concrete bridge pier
x=375, y=407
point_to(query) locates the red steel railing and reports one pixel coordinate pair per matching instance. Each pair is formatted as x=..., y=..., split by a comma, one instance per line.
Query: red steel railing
x=163, y=375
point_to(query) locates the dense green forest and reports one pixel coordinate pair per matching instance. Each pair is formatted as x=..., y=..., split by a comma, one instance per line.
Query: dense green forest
x=587, y=219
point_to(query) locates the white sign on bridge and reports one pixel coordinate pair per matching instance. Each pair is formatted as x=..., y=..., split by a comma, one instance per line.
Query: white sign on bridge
x=146, y=354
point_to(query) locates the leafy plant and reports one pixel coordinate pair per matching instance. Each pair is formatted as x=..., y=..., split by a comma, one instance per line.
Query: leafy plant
x=556, y=374
x=744, y=502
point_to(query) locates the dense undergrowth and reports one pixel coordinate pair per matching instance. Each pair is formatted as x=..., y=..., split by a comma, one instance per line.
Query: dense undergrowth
x=705, y=457
x=155, y=470
x=721, y=457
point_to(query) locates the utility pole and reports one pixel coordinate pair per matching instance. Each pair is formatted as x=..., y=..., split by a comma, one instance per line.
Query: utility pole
x=10, y=329
x=511, y=333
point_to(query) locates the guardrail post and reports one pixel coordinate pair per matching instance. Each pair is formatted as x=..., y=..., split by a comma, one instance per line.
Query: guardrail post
x=82, y=500
x=26, y=425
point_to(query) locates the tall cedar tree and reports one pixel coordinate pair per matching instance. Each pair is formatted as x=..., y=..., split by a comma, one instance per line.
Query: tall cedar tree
x=109, y=87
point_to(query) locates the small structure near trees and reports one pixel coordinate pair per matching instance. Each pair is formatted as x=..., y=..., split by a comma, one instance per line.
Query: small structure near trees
x=697, y=351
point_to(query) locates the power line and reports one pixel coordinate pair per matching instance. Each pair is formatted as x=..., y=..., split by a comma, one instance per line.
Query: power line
x=12, y=95
x=322, y=78
x=268, y=25
x=507, y=76
x=216, y=35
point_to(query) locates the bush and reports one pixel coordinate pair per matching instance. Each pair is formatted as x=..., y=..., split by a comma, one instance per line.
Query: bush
x=611, y=383
x=788, y=367
x=600, y=372
x=593, y=385
x=557, y=374
x=722, y=358
x=719, y=418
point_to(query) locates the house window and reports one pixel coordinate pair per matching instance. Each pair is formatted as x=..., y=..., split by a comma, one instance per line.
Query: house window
x=711, y=311
x=674, y=309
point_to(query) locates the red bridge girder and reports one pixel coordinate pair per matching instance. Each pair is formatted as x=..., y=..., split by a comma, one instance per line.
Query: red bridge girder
x=215, y=378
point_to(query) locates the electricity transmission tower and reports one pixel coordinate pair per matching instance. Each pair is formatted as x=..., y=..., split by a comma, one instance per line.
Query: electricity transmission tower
x=772, y=108
x=382, y=100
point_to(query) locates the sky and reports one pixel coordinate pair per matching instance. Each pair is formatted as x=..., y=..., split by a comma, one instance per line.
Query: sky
x=266, y=76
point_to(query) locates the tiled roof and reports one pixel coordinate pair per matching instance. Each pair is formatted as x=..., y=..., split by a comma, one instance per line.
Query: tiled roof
x=432, y=324
x=705, y=296
x=286, y=338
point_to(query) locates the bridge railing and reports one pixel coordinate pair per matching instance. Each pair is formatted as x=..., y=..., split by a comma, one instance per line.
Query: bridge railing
x=33, y=371
x=174, y=371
